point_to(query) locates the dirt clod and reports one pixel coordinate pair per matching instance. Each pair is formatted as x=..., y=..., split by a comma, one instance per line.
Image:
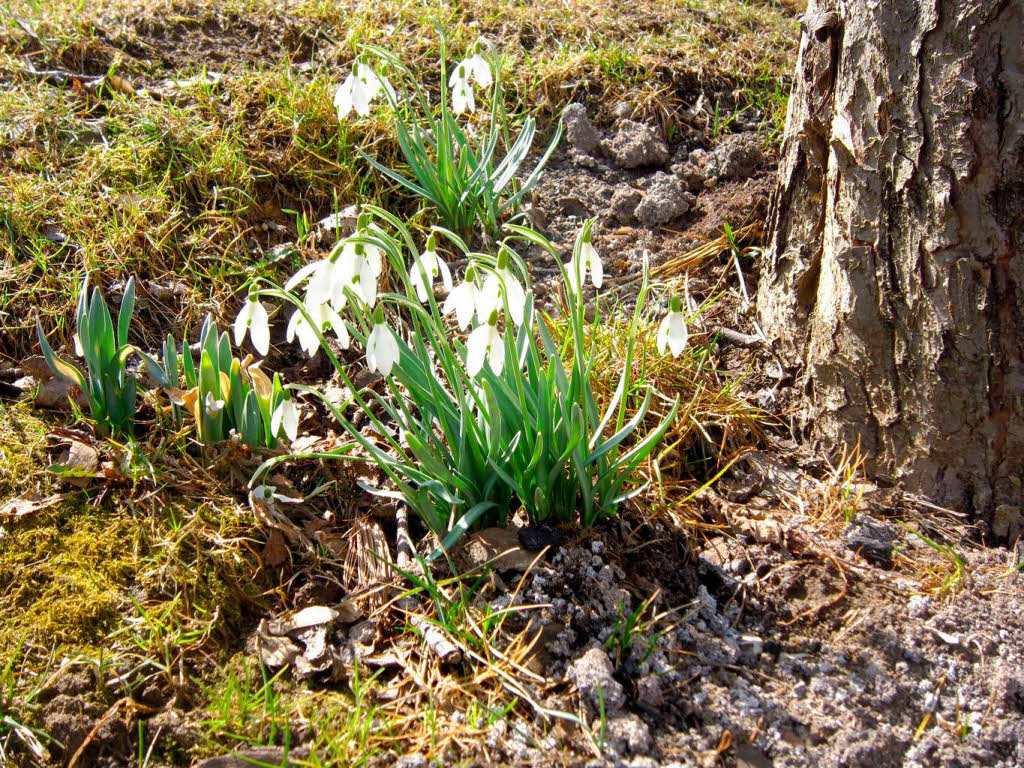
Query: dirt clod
x=635, y=145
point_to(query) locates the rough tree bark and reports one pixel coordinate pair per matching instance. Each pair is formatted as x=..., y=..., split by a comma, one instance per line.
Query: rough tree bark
x=893, y=277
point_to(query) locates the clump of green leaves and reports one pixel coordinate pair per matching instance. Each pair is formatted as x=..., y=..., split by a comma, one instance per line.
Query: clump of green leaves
x=476, y=425
x=466, y=172
x=109, y=386
x=223, y=393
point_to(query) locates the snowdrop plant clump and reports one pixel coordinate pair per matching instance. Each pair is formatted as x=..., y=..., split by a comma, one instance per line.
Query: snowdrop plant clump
x=110, y=388
x=465, y=170
x=470, y=426
x=224, y=394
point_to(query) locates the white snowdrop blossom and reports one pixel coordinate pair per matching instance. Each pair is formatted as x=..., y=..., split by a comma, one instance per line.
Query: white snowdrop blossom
x=325, y=318
x=212, y=405
x=253, y=318
x=286, y=415
x=590, y=262
x=485, y=343
x=269, y=492
x=360, y=88
x=672, y=333
x=463, y=98
x=363, y=280
x=425, y=268
x=381, y=349
x=501, y=281
x=465, y=299
x=477, y=68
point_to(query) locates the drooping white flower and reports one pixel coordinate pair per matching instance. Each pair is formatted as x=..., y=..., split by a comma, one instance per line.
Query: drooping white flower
x=485, y=343
x=589, y=261
x=501, y=280
x=381, y=349
x=463, y=98
x=269, y=492
x=477, y=67
x=286, y=415
x=212, y=405
x=672, y=333
x=360, y=88
x=253, y=318
x=464, y=300
x=425, y=268
x=324, y=318
x=364, y=281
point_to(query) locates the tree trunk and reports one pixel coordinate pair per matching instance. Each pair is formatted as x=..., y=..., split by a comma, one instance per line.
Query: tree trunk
x=893, y=277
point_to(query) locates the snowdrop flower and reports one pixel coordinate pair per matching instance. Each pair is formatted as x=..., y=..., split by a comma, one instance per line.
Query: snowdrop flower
x=286, y=415
x=464, y=300
x=324, y=318
x=589, y=261
x=269, y=492
x=363, y=280
x=361, y=87
x=477, y=68
x=213, y=405
x=381, y=347
x=425, y=268
x=672, y=333
x=485, y=343
x=463, y=98
x=253, y=318
x=326, y=280
x=500, y=281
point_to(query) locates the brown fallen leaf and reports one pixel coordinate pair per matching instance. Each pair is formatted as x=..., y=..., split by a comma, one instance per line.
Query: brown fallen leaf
x=312, y=616
x=27, y=504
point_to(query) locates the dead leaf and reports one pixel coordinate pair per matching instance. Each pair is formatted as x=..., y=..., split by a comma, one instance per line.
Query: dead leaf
x=26, y=504
x=275, y=651
x=275, y=552
x=307, y=617
x=498, y=546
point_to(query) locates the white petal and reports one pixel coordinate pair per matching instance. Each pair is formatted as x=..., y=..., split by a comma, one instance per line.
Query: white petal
x=677, y=334
x=481, y=70
x=259, y=328
x=293, y=323
x=593, y=260
x=496, y=352
x=516, y=297
x=343, y=97
x=462, y=301
x=242, y=322
x=446, y=274
x=290, y=422
x=301, y=275
x=573, y=273
x=337, y=325
x=663, y=334
x=476, y=348
x=489, y=298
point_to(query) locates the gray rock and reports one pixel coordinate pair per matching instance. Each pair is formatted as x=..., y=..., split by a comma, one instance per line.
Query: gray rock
x=635, y=145
x=667, y=198
x=578, y=129
x=592, y=674
x=624, y=202
x=415, y=760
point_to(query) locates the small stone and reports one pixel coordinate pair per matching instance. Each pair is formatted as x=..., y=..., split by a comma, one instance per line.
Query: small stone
x=736, y=157
x=918, y=606
x=578, y=129
x=592, y=674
